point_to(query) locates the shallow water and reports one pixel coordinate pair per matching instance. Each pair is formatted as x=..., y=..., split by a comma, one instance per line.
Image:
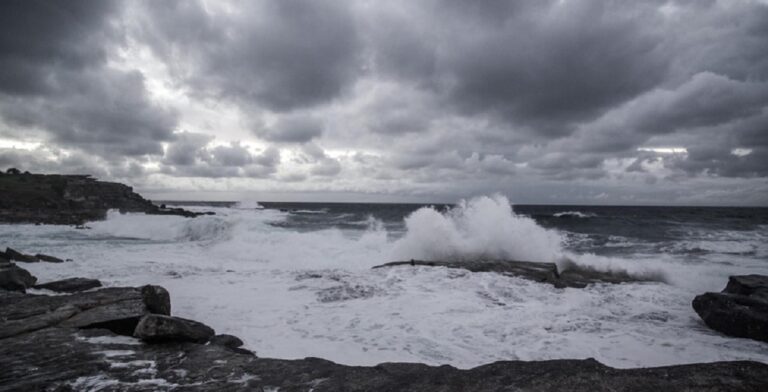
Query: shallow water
x=294, y=280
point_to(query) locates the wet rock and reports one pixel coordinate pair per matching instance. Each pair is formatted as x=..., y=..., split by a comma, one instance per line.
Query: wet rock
x=70, y=285
x=116, y=308
x=740, y=310
x=49, y=259
x=15, y=278
x=15, y=255
x=755, y=286
x=67, y=359
x=155, y=328
x=573, y=276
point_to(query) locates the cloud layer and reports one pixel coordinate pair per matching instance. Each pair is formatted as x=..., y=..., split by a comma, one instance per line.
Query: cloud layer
x=548, y=101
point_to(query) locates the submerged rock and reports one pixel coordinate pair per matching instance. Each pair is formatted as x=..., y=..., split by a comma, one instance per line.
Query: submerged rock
x=155, y=328
x=573, y=276
x=70, y=285
x=15, y=278
x=740, y=310
x=49, y=259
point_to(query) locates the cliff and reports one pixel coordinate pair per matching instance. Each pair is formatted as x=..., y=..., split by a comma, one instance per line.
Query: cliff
x=68, y=199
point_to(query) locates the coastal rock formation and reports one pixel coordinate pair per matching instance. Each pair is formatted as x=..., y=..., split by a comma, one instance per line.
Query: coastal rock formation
x=69, y=199
x=573, y=276
x=85, y=341
x=71, y=359
x=741, y=309
x=70, y=285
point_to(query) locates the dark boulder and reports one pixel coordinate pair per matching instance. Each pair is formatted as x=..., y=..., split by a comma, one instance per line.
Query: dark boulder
x=15, y=278
x=225, y=340
x=48, y=258
x=14, y=255
x=750, y=285
x=740, y=310
x=71, y=285
x=155, y=328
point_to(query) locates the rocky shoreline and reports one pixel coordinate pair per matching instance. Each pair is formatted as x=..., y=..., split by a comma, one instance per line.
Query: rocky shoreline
x=69, y=199
x=125, y=338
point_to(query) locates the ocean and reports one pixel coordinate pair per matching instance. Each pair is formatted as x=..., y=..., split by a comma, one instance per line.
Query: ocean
x=294, y=280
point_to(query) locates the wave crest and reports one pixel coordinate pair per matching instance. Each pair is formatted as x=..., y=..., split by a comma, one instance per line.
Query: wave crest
x=481, y=227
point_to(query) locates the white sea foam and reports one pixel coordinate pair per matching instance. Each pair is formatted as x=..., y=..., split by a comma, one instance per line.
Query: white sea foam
x=291, y=294
x=573, y=214
x=248, y=205
x=483, y=227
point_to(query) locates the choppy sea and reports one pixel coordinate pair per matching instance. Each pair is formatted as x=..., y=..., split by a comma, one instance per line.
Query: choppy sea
x=294, y=280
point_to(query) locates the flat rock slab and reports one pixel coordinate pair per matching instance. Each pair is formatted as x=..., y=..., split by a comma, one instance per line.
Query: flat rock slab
x=71, y=285
x=574, y=276
x=740, y=310
x=118, y=309
x=154, y=328
x=70, y=359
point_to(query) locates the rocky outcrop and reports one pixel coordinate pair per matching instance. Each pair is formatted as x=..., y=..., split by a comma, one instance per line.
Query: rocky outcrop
x=85, y=341
x=740, y=310
x=70, y=359
x=572, y=276
x=69, y=199
x=117, y=309
x=155, y=328
x=70, y=285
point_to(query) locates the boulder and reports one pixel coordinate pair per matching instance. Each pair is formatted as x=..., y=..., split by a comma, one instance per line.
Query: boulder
x=71, y=285
x=155, y=328
x=15, y=278
x=48, y=258
x=740, y=310
x=15, y=255
x=225, y=340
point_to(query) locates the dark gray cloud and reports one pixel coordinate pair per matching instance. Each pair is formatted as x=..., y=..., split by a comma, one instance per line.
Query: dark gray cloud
x=273, y=54
x=292, y=129
x=56, y=80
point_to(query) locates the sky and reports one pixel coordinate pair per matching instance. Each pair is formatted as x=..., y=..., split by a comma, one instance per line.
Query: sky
x=548, y=102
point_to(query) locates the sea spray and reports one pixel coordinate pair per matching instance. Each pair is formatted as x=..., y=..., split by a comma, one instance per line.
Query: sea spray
x=481, y=227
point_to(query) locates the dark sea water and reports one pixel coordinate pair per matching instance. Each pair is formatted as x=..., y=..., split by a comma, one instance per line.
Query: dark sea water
x=691, y=232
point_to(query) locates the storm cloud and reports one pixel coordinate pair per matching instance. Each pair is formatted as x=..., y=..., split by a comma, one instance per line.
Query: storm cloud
x=653, y=101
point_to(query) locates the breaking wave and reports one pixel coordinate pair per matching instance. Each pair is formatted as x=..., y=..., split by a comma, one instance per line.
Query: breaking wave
x=482, y=227
x=574, y=214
